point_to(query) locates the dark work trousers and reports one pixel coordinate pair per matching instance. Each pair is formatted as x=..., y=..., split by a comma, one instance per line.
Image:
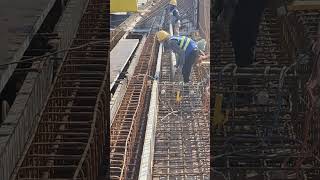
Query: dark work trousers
x=245, y=28
x=244, y=31
x=189, y=61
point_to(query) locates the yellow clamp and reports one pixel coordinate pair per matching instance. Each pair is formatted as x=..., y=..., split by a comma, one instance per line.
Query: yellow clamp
x=219, y=118
x=178, y=97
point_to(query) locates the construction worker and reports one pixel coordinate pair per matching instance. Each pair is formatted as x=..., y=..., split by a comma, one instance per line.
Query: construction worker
x=186, y=48
x=175, y=20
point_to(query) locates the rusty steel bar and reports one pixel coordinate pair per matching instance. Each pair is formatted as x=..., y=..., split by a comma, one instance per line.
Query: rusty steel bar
x=125, y=127
x=182, y=146
x=309, y=20
x=258, y=133
x=68, y=142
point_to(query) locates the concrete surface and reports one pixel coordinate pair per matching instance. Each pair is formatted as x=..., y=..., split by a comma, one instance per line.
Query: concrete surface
x=120, y=55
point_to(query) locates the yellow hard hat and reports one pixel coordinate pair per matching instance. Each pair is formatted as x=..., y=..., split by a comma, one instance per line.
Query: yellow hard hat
x=162, y=35
x=173, y=2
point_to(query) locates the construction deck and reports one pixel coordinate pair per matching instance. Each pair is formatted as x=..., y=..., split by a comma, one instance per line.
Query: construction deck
x=260, y=128
x=182, y=146
x=20, y=20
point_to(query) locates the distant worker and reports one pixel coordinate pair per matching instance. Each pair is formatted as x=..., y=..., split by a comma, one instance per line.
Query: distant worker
x=186, y=48
x=175, y=20
x=172, y=5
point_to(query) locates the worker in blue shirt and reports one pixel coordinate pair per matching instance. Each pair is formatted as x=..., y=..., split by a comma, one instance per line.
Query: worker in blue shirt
x=175, y=20
x=186, y=49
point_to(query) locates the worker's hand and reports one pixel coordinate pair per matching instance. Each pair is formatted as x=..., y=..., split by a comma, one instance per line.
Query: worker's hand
x=202, y=57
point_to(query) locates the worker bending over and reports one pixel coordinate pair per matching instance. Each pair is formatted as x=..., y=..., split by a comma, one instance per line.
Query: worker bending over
x=186, y=48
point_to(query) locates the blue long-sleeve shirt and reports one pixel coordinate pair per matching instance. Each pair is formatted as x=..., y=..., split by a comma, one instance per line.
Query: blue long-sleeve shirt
x=172, y=45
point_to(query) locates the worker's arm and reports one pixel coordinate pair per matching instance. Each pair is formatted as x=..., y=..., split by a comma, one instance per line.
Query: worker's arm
x=176, y=14
x=202, y=57
x=176, y=49
x=202, y=53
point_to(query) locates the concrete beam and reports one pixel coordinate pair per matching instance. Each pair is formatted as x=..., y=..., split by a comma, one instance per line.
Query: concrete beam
x=304, y=5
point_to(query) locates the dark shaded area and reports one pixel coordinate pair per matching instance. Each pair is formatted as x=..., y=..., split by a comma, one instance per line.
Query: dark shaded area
x=38, y=46
x=116, y=20
x=245, y=28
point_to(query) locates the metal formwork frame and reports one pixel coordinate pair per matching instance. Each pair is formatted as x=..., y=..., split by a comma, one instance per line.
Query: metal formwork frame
x=69, y=139
x=263, y=140
x=125, y=127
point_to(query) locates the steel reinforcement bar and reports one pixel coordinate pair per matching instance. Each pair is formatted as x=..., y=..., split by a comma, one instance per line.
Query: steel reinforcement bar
x=257, y=139
x=182, y=135
x=125, y=127
x=68, y=142
x=310, y=21
x=181, y=147
x=259, y=111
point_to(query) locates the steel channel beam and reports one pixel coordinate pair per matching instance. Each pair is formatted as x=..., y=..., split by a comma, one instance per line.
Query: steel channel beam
x=117, y=97
x=33, y=93
x=126, y=124
x=51, y=136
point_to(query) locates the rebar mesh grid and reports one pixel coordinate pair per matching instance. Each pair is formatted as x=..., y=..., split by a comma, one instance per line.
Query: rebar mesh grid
x=310, y=21
x=255, y=136
x=182, y=146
